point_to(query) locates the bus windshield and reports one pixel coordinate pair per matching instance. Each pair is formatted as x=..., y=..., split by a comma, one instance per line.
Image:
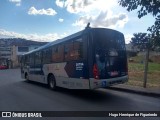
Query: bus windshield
x=109, y=53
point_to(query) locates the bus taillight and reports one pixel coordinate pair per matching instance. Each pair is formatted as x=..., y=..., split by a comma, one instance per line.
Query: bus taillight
x=95, y=71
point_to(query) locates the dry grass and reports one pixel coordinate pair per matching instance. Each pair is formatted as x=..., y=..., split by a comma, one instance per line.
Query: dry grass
x=136, y=74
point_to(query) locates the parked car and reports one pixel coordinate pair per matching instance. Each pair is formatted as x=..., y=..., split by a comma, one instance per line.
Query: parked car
x=3, y=67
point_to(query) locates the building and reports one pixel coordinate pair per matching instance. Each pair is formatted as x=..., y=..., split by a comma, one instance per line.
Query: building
x=18, y=51
x=5, y=52
x=11, y=50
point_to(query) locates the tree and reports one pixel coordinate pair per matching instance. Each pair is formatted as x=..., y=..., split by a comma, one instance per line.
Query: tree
x=153, y=39
x=145, y=7
x=139, y=40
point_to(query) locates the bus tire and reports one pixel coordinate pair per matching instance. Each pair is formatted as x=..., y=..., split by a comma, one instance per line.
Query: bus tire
x=52, y=82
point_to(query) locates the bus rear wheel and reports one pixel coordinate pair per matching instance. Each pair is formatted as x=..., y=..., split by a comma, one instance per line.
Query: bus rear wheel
x=52, y=82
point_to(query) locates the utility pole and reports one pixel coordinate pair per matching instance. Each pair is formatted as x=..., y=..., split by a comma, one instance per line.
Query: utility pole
x=146, y=66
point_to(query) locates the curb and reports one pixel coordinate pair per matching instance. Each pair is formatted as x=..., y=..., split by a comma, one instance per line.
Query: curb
x=146, y=93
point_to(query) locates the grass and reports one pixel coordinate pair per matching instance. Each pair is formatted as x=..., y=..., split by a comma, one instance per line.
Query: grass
x=138, y=59
x=136, y=74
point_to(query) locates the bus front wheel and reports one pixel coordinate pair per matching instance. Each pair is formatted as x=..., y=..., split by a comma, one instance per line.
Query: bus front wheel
x=52, y=82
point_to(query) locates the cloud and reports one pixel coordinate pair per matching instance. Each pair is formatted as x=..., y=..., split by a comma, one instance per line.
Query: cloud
x=34, y=11
x=76, y=6
x=61, y=20
x=47, y=37
x=85, y=6
x=128, y=38
x=98, y=12
x=60, y=3
x=103, y=19
x=17, y=2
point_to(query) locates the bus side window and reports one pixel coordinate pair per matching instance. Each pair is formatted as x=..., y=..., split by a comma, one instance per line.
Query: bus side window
x=38, y=57
x=78, y=49
x=73, y=50
x=67, y=51
x=61, y=53
x=47, y=54
x=54, y=53
x=31, y=60
x=57, y=53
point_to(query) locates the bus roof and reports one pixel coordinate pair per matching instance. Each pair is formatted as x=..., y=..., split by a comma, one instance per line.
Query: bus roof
x=64, y=39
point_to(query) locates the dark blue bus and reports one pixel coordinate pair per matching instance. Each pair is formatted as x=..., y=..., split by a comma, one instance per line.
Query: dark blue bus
x=89, y=59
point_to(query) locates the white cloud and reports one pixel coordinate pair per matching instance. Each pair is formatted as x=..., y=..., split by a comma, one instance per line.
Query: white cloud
x=76, y=6
x=98, y=12
x=104, y=19
x=128, y=38
x=86, y=6
x=34, y=11
x=17, y=2
x=47, y=37
x=60, y=3
x=61, y=20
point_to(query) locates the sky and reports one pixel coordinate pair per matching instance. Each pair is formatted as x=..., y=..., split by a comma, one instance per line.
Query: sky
x=49, y=20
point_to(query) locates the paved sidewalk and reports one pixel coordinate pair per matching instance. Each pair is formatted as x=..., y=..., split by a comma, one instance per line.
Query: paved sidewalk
x=154, y=92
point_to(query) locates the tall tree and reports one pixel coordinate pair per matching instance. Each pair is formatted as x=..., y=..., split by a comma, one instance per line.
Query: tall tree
x=153, y=39
x=146, y=7
x=139, y=40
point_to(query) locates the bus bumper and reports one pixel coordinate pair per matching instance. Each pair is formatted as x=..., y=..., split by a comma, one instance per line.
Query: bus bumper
x=102, y=83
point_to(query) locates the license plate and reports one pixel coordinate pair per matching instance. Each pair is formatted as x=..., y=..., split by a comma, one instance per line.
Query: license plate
x=114, y=73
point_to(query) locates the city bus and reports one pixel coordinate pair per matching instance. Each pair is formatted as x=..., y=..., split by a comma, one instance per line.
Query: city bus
x=89, y=59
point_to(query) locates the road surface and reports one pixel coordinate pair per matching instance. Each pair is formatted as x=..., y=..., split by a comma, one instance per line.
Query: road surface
x=18, y=95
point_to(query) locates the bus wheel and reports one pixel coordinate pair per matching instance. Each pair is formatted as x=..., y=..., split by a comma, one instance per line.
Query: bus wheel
x=52, y=82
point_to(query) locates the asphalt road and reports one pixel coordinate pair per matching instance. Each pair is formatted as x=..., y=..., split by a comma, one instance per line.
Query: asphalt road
x=18, y=95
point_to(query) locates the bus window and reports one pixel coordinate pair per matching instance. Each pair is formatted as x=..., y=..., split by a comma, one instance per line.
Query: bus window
x=74, y=50
x=78, y=49
x=31, y=59
x=54, y=53
x=38, y=58
x=109, y=54
x=67, y=51
x=47, y=54
x=61, y=53
x=57, y=53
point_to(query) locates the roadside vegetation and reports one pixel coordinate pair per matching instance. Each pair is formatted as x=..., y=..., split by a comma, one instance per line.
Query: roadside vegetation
x=145, y=41
x=136, y=72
